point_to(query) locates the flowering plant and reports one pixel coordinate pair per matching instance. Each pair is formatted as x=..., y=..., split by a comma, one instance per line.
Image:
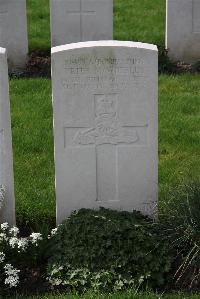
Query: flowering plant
x=82, y=279
x=16, y=254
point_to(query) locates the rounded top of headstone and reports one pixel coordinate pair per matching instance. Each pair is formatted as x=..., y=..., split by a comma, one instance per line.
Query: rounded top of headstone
x=2, y=50
x=107, y=43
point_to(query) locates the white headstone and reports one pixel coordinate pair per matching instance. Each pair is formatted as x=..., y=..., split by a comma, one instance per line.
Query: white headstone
x=7, y=211
x=13, y=32
x=105, y=126
x=81, y=20
x=183, y=30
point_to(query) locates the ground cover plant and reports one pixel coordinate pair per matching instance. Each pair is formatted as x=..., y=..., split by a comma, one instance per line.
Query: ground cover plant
x=108, y=251
x=125, y=295
x=102, y=251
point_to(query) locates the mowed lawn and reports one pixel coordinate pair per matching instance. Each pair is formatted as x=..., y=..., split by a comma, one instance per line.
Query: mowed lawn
x=138, y=20
x=179, y=141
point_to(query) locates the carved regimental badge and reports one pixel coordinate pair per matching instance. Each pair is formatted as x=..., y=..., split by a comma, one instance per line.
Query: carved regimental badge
x=107, y=129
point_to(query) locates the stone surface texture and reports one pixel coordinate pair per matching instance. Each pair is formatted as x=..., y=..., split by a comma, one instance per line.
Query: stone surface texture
x=7, y=212
x=13, y=32
x=105, y=126
x=183, y=30
x=81, y=20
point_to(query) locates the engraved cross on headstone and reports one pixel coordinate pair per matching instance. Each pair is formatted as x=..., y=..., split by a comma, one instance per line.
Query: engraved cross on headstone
x=3, y=14
x=106, y=136
x=81, y=12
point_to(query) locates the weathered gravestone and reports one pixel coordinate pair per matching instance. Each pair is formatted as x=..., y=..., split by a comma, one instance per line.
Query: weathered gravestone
x=7, y=208
x=81, y=20
x=13, y=32
x=105, y=126
x=183, y=30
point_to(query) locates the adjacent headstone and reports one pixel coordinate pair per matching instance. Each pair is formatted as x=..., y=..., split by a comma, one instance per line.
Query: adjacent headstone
x=7, y=211
x=81, y=20
x=105, y=126
x=13, y=32
x=183, y=30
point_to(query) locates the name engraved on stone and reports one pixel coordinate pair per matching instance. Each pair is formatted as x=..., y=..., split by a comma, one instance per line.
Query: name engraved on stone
x=81, y=13
x=196, y=16
x=107, y=134
x=117, y=73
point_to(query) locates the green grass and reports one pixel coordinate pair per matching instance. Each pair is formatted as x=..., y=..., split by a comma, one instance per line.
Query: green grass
x=33, y=149
x=179, y=134
x=38, y=24
x=179, y=141
x=126, y=295
x=139, y=20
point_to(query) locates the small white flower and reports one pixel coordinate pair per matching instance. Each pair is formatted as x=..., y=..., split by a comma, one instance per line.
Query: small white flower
x=4, y=226
x=56, y=270
x=2, y=257
x=8, y=267
x=12, y=281
x=13, y=242
x=10, y=270
x=55, y=282
x=100, y=217
x=35, y=237
x=23, y=244
x=12, y=278
x=54, y=231
x=3, y=237
x=14, y=231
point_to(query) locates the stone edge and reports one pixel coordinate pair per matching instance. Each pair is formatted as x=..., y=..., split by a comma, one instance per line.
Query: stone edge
x=103, y=43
